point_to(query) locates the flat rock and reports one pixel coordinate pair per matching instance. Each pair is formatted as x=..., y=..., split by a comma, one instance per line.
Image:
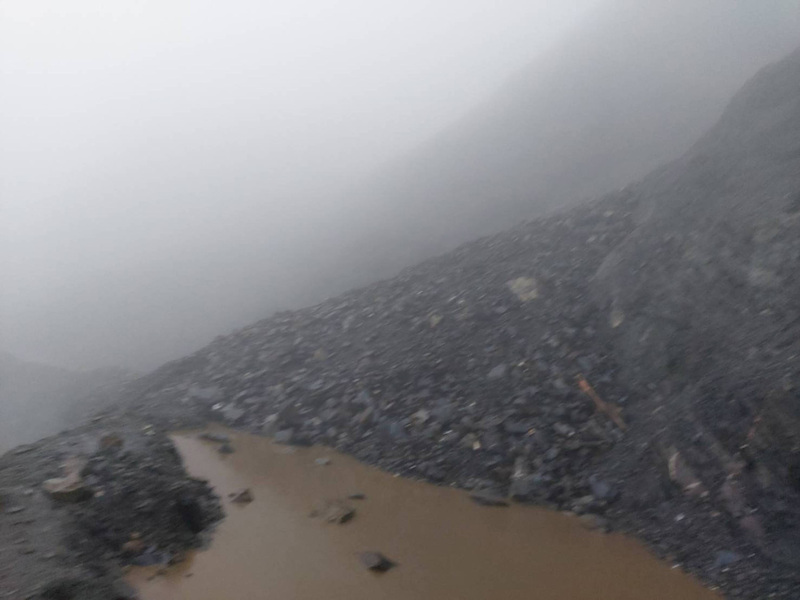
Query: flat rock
x=70, y=487
x=375, y=561
x=335, y=511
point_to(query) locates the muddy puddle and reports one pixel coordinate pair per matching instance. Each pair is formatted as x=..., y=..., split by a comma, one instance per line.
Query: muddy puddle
x=445, y=546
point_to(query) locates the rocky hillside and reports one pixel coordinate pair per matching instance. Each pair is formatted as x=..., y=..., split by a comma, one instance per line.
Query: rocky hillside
x=633, y=359
x=703, y=303
x=629, y=90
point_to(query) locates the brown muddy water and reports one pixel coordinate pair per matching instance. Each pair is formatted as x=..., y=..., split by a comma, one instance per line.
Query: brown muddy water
x=446, y=547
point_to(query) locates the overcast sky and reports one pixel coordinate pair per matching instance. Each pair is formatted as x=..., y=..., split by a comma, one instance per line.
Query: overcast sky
x=135, y=133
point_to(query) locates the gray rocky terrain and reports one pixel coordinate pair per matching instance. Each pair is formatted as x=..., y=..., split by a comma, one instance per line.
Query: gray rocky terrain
x=633, y=359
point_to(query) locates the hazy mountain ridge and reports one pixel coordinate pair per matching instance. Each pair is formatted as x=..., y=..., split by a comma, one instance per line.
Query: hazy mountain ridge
x=597, y=112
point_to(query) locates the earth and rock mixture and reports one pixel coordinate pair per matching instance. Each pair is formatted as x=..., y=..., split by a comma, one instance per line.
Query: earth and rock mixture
x=77, y=508
x=633, y=360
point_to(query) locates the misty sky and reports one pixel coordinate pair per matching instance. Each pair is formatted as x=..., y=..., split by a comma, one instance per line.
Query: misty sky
x=172, y=170
x=135, y=136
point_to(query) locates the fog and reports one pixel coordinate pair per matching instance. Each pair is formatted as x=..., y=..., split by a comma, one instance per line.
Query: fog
x=170, y=171
x=149, y=149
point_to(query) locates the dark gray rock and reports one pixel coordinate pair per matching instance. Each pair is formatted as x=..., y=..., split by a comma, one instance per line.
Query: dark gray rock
x=601, y=489
x=726, y=558
x=528, y=488
x=393, y=430
x=515, y=427
x=284, y=436
x=375, y=561
x=497, y=372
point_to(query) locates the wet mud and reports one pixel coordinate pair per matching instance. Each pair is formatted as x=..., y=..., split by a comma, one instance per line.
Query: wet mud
x=444, y=544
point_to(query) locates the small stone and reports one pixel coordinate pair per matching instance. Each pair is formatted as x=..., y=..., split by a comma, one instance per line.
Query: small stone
x=284, y=436
x=231, y=413
x=683, y=475
x=488, y=498
x=357, y=496
x=226, y=448
x=243, y=497
x=322, y=462
x=725, y=558
x=133, y=546
x=593, y=522
x=110, y=441
x=515, y=427
x=70, y=487
x=526, y=488
x=375, y=561
x=563, y=429
x=524, y=288
x=219, y=438
x=497, y=372
x=469, y=441
x=602, y=490
x=421, y=416
x=752, y=527
x=393, y=430
x=335, y=511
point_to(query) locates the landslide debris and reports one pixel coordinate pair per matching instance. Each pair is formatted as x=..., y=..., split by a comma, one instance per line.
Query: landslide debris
x=633, y=359
x=86, y=503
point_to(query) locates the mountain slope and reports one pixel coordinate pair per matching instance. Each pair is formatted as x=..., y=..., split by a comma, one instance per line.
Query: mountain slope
x=631, y=89
x=634, y=358
x=705, y=297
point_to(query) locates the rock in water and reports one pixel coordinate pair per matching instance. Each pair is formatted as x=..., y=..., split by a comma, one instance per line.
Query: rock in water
x=375, y=561
x=243, y=497
x=487, y=498
x=335, y=511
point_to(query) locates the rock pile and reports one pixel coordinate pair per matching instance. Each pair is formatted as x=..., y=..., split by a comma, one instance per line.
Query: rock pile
x=143, y=508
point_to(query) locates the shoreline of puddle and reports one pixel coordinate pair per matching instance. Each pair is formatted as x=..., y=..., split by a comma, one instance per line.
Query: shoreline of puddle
x=444, y=544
